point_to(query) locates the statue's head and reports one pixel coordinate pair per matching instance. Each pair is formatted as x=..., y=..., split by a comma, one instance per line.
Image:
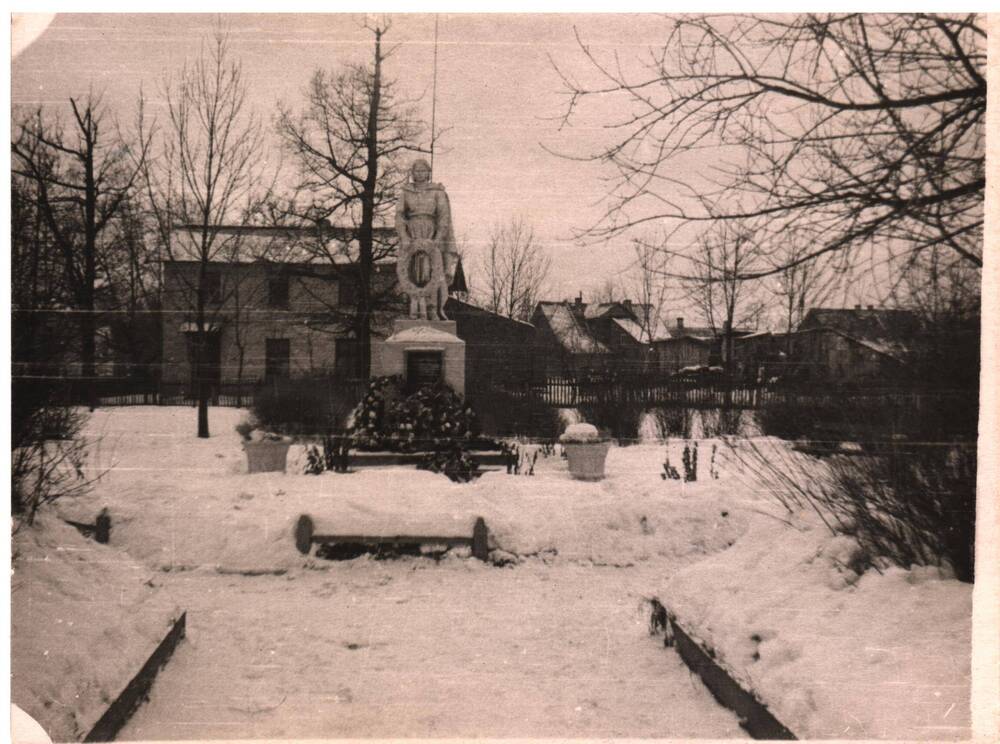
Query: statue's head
x=420, y=171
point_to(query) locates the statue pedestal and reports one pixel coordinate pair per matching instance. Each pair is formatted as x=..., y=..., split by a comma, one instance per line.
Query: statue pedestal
x=423, y=352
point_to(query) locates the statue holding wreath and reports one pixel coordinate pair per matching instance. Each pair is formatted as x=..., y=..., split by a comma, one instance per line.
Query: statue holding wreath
x=426, y=243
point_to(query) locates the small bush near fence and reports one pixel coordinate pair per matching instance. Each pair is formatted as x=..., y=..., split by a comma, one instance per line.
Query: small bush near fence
x=873, y=418
x=619, y=420
x=504, y=415
x=305, y=406
x=48, y=451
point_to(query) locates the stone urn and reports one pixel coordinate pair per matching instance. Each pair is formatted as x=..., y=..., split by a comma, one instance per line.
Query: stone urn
x=266, y=455
x=586, y=451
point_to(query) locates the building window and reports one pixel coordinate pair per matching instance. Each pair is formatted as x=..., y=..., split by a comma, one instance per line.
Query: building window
x=346, y=358
x=277, y=358
x=212, y=287
x=347, y=293
x=277, y=292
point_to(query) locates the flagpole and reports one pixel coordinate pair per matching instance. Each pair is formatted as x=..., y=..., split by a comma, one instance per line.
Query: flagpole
x=434, y=92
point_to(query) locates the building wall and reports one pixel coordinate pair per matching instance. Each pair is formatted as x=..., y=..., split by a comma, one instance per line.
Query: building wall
x=244, y=319
x=827, y=355
x=495, y=345
x=674, y=354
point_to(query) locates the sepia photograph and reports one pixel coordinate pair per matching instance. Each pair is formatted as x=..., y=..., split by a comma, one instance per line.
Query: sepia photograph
x=500, y=376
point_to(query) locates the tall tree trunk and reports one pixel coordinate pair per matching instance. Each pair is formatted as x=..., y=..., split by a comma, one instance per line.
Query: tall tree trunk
x=366, y=234
x=199, y=347
x=88, y=351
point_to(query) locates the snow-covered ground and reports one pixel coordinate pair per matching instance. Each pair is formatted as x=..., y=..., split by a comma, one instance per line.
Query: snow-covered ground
x=283, y=645
x=413, y=648
x=84, y=618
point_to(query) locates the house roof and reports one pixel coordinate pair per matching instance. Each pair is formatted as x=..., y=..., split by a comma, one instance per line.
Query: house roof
x=701, y=340
x=288, y=243
x=863, y=323
x=468, y=306
x=458, y=283
x=633, y=328
x=571, y=334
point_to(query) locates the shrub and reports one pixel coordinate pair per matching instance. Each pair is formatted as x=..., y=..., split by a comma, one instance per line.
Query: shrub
x=334, y=455
x=428, y=418
x=305, y=406
x=910, y=505
x=674, y=422
x=873, y=419
x=690, y=462
x=620, y=420
x=48, y=452
x=504, y=415
x=453, y=461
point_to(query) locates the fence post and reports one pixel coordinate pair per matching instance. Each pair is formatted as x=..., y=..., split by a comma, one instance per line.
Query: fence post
x=303, y=534
x=102, y=527
x=480, y=540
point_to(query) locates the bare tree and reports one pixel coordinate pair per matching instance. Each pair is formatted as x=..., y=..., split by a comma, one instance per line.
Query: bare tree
x=81, y=179
x=515, y=271
x=649, y=277
x=608, y=291
x=209, y=176
x=799, y=285
x=348, y=142
x=856, y=131
x=718, y=285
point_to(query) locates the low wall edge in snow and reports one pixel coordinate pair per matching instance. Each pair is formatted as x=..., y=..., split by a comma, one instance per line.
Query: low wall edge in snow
x=119, y=712
x=754, y=715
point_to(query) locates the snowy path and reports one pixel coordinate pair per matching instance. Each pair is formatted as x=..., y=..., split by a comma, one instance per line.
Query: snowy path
x=414, y=648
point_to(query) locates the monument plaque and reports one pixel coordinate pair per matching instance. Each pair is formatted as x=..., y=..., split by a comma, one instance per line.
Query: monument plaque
x=424, y=368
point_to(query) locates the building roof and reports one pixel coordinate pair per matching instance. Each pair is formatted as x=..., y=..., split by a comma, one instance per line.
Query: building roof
x=700, y=332
x=288, y=243
x=633, y=328
x=462, y=305
x=571, y=334
x=677, y=339
x=458, y=283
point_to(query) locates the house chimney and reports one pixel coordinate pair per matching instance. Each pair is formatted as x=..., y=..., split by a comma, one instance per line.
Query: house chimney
x=680, y=323
x=871, y=307
x=857, y=307
x=579, y=299
x=627, y=304
x=726, y=326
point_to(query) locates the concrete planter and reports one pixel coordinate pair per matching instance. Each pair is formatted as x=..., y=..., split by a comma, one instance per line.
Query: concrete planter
x=586, y=459
x=266, y=456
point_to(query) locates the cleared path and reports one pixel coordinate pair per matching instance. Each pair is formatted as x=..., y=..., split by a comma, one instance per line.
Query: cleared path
x=417, y=649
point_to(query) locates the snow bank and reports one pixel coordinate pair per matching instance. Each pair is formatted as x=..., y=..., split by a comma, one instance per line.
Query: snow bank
x=84, y=620
x=178, y=502
x=833, y=654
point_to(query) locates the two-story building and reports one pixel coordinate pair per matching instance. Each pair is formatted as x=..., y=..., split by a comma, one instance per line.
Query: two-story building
x=285, y=314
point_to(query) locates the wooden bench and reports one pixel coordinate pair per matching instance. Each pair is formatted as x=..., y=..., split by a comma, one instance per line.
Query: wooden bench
x=306, y=537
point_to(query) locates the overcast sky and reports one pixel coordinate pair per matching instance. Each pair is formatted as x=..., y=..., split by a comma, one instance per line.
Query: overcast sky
x=498, y=96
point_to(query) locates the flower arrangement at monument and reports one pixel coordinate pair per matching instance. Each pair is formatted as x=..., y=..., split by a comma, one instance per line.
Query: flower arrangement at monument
x=426, y=419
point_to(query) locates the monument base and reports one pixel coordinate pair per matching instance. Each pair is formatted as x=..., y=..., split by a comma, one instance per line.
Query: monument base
x=424, y=352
